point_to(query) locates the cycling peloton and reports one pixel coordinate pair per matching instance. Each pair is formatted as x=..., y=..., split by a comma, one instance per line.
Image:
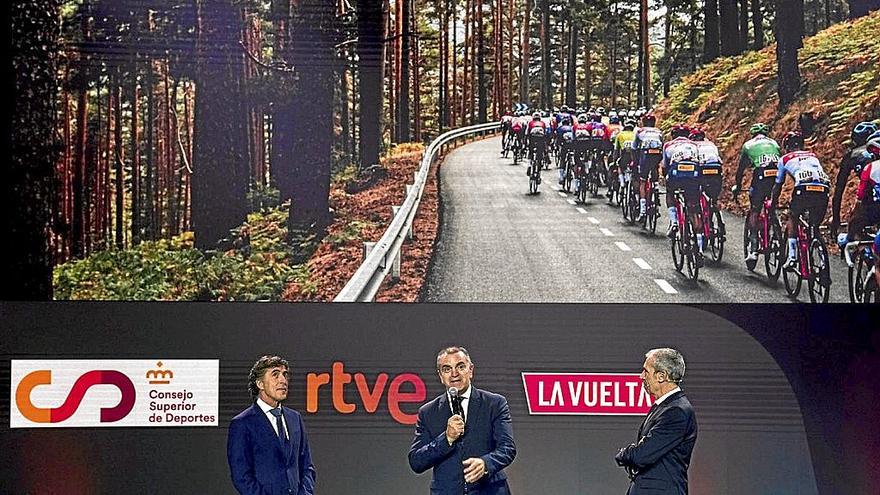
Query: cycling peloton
x=761, y=153
x=649, y=153
x=810, y=193
x=681, y=169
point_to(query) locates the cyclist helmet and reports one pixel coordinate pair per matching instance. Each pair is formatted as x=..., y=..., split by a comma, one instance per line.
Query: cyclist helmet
x=697, y=134
x=601, y=110
x=536, y=116
x=629, y=125
x=566, y=120
x=649, y=120
x=861, y=132
x=793, y=140
x=872, y=144
x=582, y=118
x=631, y=113
x=614, y=119
x=680, y=130
x=759, y=128
x=596, y=117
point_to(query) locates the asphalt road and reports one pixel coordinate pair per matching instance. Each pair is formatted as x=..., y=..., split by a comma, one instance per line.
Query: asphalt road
x=497, y=243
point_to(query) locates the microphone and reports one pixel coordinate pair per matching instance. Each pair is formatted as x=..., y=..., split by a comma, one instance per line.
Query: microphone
x=456, y=402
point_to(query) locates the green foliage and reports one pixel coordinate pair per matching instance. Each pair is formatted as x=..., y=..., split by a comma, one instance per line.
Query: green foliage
x=257, y=268
x=349, y=232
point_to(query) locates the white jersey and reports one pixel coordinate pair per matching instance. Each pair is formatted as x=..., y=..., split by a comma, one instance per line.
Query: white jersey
x=804, y=167
x=708, y=153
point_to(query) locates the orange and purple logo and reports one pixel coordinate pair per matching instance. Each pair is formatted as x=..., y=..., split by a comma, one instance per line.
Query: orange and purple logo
x=74, y=398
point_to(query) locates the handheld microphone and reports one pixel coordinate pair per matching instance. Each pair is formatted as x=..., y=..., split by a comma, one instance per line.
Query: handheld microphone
x=456, y=402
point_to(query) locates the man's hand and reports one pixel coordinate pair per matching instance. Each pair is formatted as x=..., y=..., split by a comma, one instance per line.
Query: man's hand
x=454, y=428
x=474, y=469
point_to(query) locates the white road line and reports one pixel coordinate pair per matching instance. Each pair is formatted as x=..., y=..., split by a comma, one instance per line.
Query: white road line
x=606, y=232
x=622, y=246
x=581, y=210
x=572, y=202
x=642, y=263
x=593, y=220
x=563, y=194
x=665, y=286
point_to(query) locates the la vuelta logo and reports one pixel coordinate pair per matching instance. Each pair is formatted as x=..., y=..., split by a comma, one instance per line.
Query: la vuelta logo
x=75, y=396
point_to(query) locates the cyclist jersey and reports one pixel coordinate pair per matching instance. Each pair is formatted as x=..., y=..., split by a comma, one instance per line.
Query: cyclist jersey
x=598, y=131
x=537, y=128
x=680, y=158
x=613, y=131
x=806, y=170
x=761, y=151
x=582, y=131
x=507, y=119
x=649, y=140
x=562, y=130
x=857, y=159
x=708, y=157
x=869, y=187
x=623, y=142
x=516, y=125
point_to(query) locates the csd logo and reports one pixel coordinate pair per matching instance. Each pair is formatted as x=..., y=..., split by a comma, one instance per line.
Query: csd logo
x=75, y=396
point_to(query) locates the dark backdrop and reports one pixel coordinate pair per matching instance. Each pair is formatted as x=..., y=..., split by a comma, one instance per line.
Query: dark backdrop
x=784, y=403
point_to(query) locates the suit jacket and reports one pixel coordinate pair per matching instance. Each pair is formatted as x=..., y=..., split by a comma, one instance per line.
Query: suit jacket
x=659, y=461
x=488, y=435
x=257, y=461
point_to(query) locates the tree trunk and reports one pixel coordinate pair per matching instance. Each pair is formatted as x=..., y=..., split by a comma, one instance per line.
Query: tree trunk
x=571, y=66
x=615, y=23
x=729, y=28
x=313, y=47
x=482, y=92
x=443, y=87
x=743, y=25
x=34, y=50
x=219, y=200
x=789, y=28
x=757, y=24
x=371, y=54
x=120, y=166
x=403, y=93
x=645, y=75
x=546, y=89
x=712, y=31
x=524, y=65
x=588, y=69
x=667, y=49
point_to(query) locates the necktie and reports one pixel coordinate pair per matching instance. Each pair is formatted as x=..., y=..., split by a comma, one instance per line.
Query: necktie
x=282, y=435
x=463, y=417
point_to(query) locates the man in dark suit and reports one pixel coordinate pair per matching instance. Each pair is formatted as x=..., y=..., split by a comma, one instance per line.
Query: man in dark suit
x=267, y=447
x=469, y=448
x=658, y=461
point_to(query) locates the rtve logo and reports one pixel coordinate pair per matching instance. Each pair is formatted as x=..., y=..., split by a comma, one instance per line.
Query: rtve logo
x=75, y=396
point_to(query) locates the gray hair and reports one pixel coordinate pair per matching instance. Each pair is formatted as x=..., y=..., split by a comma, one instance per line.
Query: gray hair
x=452, y=350
x=668, y=360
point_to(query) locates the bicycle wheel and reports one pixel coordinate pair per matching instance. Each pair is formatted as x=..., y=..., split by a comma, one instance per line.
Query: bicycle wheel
x=870, y=291
x=678, y=251
x=792, y=279
x=819, y=281
x=625, y=202
x=533, y=184
x=654, y=211
x=716, y=230
x=856, y=278
x=750, y=264
x=691, y=251
x=773, y=256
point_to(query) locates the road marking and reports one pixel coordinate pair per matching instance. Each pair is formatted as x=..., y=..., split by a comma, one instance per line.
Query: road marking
x=642, y=263
x=561, y=193
x=665, y=286
x=572, y=202
x=581, y=210
x=622, y=246
x=606, y=232
x=593, y=220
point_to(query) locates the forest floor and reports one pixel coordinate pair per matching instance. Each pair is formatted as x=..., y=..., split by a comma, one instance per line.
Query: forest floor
x=364, y=216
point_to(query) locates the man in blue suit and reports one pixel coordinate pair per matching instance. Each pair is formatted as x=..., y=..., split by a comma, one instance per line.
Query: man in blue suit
x=468, y=439
x=659, y=460
x=267, y=447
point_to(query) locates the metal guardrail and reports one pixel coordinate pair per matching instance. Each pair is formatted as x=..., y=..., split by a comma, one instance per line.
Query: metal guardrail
x=365, y=283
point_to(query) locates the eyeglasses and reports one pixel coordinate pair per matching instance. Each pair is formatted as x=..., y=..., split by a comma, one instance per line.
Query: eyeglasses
x=460, y=367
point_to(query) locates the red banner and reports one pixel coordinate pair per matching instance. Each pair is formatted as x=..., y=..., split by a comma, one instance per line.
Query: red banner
x=586, y=393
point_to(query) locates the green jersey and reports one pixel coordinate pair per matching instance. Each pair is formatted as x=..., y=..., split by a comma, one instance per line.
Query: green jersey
x=760, y=151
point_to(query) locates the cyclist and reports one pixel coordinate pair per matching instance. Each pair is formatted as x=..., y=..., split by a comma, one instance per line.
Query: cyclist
x=649, y=153
x=582, y=144
x=601, y=142
x=710, y=164
x=506, y=121
x=682, y=172
x=516, y=129
x=867, y=210
x=762, y=154
x=811, y=185
x=537, y=132
x=854, y=160
x=622, y=155
x=563, y=137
